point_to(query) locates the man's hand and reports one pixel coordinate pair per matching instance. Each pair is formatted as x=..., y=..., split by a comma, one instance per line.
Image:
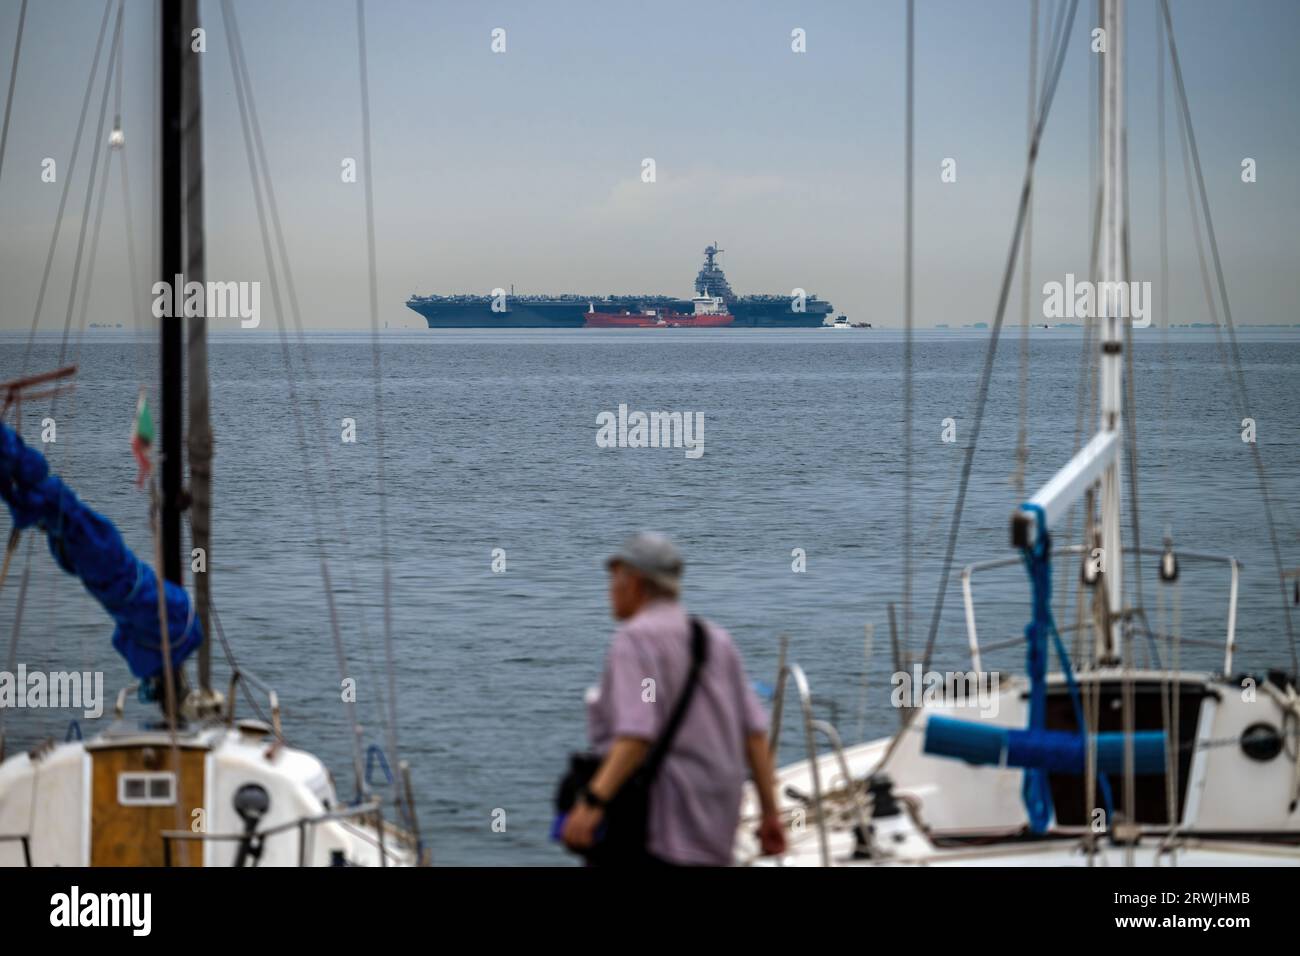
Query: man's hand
x=580, y=826
x=771, y=832
x=771, y=835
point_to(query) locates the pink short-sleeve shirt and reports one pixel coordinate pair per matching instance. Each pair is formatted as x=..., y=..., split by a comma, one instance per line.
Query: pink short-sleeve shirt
x=695, y=799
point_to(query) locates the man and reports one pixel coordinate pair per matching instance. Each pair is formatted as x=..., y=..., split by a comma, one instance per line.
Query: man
x=695, y=798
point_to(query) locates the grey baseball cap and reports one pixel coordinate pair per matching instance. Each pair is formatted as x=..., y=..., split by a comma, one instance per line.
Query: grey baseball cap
x=653, y=555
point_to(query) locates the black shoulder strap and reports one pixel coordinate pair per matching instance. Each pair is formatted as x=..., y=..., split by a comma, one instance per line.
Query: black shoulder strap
x=699, y=653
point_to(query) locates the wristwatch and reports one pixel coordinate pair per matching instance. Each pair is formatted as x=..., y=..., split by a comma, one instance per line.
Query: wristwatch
x=590, y=799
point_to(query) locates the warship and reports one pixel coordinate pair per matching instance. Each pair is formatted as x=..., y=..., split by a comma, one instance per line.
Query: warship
x=570, y=311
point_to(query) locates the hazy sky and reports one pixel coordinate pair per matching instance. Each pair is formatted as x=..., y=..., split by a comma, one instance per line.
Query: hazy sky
x=524, y=167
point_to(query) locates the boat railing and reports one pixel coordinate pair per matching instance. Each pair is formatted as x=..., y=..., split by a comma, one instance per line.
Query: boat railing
x=812, y=727
x=370, y=812
x=1233, y=564
x=119, y=707
x=236, y=676
x=826, y=729
x=26, y=841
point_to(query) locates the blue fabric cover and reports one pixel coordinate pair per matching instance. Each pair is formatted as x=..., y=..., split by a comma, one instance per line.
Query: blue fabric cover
x=87, y=544
x=1047, y=751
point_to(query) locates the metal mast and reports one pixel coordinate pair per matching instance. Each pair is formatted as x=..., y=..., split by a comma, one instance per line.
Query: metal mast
x=171, y=237
x=1099, y=462
x=1112, y=311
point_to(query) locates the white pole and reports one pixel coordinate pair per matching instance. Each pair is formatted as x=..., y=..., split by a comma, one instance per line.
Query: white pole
x=1112, y=310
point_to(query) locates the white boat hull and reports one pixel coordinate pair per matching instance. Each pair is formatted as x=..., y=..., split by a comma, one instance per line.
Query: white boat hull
x=59, y=808
x=1237, y=810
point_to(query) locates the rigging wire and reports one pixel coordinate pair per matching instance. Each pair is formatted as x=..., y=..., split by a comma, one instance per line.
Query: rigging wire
x=1053, y=31
x=1174, y=721
x=368, y=176
x=1022, y=435
x=1094, y=99
x=236, y=669
x=908, y=244
x=1059, y=52
x=1169, y=696
x=1085, y=392
x=77, y=283
x=309, y=478
x=90, y=182
x=309, y=373
x=1239, y=377
x=1051, y=24
x=1130, y=399
x=66, y=464
x=1051, y=78
x=13, y=80
x=67, y=185
x=132, y=268
x=1051, y=27
x=11, y=659
x=1084, y=403
x=90, y=261
x=1162, y=164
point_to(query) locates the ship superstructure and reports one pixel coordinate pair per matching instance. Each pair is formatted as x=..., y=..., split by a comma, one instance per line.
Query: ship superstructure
x=712, y=280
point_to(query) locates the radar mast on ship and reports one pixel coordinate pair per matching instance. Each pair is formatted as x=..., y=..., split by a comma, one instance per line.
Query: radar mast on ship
x=712, y=280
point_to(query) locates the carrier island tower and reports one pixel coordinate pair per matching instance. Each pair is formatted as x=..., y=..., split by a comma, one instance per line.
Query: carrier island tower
x=569, y=311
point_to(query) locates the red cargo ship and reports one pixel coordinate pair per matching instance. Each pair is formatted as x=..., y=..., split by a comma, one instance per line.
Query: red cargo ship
x=710, y=313
x=622, y=320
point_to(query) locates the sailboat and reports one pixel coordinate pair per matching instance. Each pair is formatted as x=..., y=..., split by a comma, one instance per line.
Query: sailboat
x=196, y=784
x=1098, y=762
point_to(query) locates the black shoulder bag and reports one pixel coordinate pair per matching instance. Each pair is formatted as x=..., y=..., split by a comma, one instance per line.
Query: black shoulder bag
x=627, y=813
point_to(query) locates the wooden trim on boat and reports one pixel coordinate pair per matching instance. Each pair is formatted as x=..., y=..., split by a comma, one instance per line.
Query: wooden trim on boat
x=132, y=835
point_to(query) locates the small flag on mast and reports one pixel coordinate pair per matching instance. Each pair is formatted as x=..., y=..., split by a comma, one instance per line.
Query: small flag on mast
x=142, y=440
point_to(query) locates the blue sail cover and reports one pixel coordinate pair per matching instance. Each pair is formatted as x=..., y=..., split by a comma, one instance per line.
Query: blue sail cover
x=1052, y=751
x=87, y=544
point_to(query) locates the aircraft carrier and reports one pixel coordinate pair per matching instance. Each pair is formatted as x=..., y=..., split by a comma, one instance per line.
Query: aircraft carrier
x=569, y=311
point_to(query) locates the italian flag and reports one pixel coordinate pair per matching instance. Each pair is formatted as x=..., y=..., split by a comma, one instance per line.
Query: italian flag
x=142, y=440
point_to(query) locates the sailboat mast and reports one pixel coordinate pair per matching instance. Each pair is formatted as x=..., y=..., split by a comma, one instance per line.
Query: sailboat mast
x=1111, y=313
x=200, y=424
x=171, y=239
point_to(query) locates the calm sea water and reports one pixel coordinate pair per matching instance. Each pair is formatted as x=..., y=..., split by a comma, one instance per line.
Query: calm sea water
x=491, y=443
